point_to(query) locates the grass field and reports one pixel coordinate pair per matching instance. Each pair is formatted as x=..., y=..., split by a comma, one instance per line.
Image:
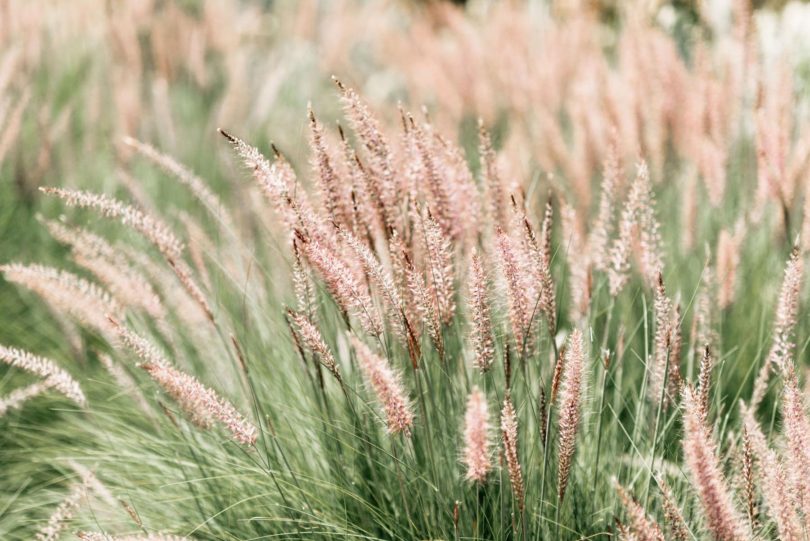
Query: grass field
x=403, y=270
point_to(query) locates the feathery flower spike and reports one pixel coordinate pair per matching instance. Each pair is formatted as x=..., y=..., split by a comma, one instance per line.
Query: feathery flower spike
x=481, y=335
x=52, y=530
x=313, y=341
x=387, y=385
x=509, y=432
x=477, y=440
x=723, y=519
x=55, y=376
x=200, y=402
x=150, y=227
x=570, y=398
x=643, y=527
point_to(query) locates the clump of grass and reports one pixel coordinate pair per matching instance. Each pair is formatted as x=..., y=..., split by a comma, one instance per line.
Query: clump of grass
x=358, y=326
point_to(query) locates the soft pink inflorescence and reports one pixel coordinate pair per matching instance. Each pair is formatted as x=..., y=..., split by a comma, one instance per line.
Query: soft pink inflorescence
x=340, y=280
x=477, y=440
x=481, y=335
x=672, y=514
x=598, y=241
x=382, y=279
x=66, y=293
x=797, y=429
x=779, y=498
x=728, y=259
x=642, y=526
x=723, y=519
x=331, y=185
x=55, y=376
x=313, y=341
x=195, y=184
x=202, y=402
x=380, y=172
x=18, y=397
x=515, y=279
x=126, y=284
x=570, y=398
x=145, y=350
x=491, y=178
x=509, y=432
x=150, y=227
x=387, y=385
x=438, y=250
x=638, y=222
x=667, y=349
x=787, y=311
x=52, y=530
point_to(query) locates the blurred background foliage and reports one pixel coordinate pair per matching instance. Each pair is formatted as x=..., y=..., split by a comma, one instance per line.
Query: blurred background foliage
x=78, y=75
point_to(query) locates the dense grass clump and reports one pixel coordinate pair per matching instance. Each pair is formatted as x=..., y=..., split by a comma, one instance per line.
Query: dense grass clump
x=562, y=302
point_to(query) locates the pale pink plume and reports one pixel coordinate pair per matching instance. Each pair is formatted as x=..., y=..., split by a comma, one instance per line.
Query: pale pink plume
x=145, y=350
x=425, y=304
x=602, y=229
x=186, y=279
x=52, y=530
x=314, y=342
x=477, y=437
x=66, y=293
x=150, y=227
x=704, y=321
x=432, y=181
x=700, y=453
x=652, y=259
x=387, y=385
x=787, y=311
x=642, y=527
x=478, y=300
x=331, y=185
x=728, y=258
x=440, y=268
x=509, y=432
x=579, y=264
x=638, y=222
x=55, y=377
x=570, y=408
x=797, y=429
x=200, y=402
x=619, y=269
x=778, y=491
x=341, y=282
x=18, y=397
x=278, y=182
x=491, y=179
x=705, y=382
x=381, y=165
x=186, y=177
x=672, y=514
x=779, y=498
x=110, y=266
x=540, y=256
x=748, y=481
x=667, y=347
x=383, y=281
x=515, y=278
